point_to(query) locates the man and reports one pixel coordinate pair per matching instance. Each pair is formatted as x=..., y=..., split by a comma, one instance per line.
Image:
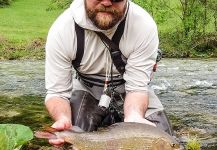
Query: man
x=100, y=94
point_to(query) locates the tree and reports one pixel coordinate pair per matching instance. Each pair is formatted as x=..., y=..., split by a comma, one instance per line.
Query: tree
x=157, y=8
x=4, y=2
x=212, y=7
x=191, y=11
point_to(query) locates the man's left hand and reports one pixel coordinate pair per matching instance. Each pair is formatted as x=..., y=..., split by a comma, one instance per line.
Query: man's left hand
x=139, y=120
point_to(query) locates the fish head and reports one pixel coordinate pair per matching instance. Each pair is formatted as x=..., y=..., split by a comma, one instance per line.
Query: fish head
x=164, y=144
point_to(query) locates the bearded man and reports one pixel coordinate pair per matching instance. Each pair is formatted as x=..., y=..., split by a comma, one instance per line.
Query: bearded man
x=112, y=46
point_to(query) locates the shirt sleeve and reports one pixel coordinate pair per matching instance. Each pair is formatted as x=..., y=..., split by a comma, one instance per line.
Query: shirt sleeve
x=141, y=61
x=58, y=68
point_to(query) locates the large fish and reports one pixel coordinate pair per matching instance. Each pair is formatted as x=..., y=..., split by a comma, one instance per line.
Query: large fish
x=119, y=136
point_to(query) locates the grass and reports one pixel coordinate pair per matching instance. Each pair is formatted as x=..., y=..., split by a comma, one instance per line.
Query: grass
x=23, y=29
x=25, y=20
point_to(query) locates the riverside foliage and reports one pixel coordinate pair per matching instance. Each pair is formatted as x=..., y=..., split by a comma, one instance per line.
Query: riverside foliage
x=4, y=2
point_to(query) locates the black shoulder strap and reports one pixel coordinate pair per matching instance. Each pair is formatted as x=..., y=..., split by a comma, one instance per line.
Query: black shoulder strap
x=115, y=52
x=113, y=44
x=119, y=32
x=80, y=46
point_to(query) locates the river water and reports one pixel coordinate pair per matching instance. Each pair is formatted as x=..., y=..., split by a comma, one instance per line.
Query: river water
x=186, y=87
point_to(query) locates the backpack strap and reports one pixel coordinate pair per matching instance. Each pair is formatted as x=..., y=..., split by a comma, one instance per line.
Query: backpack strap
x=115, y=52
x=114, y=49
x=119, y=32
x=80, y=46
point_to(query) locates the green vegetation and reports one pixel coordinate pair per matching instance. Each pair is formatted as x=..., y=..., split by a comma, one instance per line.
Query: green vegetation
x=27, y=110
x=23, y=28
x=13, y=136
x=59, y=4
x=188, y=28
x=4, y=3
x=193, y=144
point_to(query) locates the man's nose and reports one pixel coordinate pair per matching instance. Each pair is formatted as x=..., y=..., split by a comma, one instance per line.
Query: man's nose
x=106, y=2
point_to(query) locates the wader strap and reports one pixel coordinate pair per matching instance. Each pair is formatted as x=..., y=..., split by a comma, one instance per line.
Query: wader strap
x=113, y=44
x=119, y=32
x=80, y=46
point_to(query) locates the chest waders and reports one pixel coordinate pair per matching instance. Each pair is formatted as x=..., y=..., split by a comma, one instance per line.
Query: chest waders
x=116, y=55
x=87, y=114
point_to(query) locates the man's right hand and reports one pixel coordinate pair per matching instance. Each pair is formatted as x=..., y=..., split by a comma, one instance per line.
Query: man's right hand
x=60, y=111
x=61, y=124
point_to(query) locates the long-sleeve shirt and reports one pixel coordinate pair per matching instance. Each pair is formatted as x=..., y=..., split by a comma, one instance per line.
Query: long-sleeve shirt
x=139, y=44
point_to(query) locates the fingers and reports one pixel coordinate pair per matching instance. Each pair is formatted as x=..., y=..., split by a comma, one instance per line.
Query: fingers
x=56, y=142
x=61, y=124
x=139, y=120
x=147, y=122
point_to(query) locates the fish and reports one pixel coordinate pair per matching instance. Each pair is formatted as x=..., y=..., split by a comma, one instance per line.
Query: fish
x=119, y=136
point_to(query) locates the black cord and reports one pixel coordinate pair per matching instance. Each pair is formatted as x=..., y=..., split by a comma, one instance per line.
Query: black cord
x=112, y=83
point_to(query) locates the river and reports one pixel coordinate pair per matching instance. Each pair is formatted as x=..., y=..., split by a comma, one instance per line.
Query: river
x=186, y=87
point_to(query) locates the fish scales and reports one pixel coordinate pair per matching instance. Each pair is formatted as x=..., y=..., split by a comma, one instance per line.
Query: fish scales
x=116, y=144
x=123, y=130
x=121, y=136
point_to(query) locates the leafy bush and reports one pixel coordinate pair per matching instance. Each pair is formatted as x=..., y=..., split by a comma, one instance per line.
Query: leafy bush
x=157, y=8
x=175, y=44
x=4, y=2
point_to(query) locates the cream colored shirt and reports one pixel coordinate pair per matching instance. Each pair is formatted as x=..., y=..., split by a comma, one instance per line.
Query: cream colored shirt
x=139, y=44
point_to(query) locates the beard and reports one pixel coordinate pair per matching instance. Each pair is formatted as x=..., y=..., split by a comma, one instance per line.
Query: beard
x=104, y=17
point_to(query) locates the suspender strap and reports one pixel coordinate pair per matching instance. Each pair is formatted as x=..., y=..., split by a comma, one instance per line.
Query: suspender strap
x=80, y=46
x=119, y=32
x=113, y=44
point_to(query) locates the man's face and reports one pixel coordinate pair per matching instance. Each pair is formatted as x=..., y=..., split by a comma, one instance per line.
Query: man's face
x=104, y=13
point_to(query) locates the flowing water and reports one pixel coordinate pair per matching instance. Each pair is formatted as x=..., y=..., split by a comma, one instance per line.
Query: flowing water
x=186, y=87
x=188, y=90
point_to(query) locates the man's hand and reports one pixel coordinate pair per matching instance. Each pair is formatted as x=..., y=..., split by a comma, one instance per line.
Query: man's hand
x=135, y=106
x=60, y=111
x=61, y=124
x=139, y=120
